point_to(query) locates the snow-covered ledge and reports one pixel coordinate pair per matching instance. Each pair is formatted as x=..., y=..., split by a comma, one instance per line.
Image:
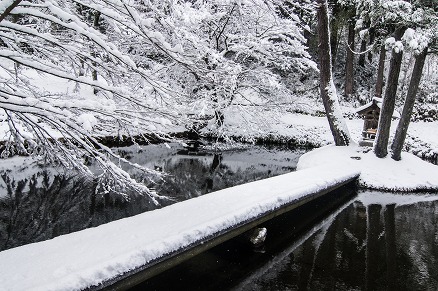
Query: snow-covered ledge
x=90, y=257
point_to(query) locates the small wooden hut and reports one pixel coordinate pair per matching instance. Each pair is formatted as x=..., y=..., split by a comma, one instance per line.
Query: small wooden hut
x=370, y=113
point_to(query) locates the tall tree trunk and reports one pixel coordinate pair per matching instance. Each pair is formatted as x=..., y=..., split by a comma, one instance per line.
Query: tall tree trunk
x=372, y=38
x=349, y=63
x=388, y=104
x=337, y=123
x=94, y=72
x=403, y=124
x=380, y=71
x=363, y=47
x=334, y=31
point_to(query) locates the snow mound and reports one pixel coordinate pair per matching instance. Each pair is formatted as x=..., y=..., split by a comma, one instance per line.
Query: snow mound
x=408, y=175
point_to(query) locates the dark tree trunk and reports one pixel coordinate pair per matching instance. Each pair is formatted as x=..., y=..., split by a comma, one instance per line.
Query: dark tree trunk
x=94, y=72
x=380, y=71
x=349, y=62
x=328, y=92
x=372, y=38
x=334, y=31
x=388, y=104
x=363, y=47
x=403, y=124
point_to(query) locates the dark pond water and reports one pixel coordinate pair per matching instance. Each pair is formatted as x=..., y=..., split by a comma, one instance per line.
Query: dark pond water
x=375, y=241
x=39, y=204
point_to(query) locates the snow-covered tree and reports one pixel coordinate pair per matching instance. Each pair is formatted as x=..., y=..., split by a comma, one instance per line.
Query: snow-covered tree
x=130, y=68
x=240, y=50
x=329, y=96
x=52, y=41
x=378, y=20
x=401, y=15
x=388, y=104
x=418, y=42
x=349, y=11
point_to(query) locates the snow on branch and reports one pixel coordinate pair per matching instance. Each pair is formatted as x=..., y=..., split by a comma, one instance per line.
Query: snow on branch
x=6, y=7
x=52, y=41
x=71, y=70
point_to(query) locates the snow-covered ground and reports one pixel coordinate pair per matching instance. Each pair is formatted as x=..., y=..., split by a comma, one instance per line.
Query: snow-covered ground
x=409, y=174
x=421, y=135
x=89, y=257
x=315, y=130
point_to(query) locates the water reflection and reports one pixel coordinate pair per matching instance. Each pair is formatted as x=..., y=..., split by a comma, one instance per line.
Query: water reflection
x=375, y=241
x=38, y=204
x=373, y=244
x=210, y=170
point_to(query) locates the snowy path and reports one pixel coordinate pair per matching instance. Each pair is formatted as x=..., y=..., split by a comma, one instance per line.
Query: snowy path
x=92, y=256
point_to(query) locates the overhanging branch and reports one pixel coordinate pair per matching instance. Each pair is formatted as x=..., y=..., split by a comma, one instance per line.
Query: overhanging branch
x=9, y=9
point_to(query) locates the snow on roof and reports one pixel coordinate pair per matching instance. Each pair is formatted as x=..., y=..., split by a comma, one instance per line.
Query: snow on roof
x=92, y=256
x=409, y=174
x=378, y=102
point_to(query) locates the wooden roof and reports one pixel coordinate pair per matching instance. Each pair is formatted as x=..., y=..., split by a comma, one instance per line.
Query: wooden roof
x=375, y=104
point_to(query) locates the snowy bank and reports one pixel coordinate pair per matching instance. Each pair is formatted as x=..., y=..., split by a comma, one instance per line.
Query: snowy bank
x=302, y=129
x=409, y=174
x=92, y=256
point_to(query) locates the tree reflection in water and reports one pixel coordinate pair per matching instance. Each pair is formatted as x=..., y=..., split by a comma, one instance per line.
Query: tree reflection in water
x=371, y=245
x=46, y=204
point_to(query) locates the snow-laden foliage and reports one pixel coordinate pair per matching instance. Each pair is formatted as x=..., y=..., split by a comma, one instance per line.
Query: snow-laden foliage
x=383, y=17
x=417, y=41
x=55, y=40
x=131, y=68
x=415, y=20
x=238, y=50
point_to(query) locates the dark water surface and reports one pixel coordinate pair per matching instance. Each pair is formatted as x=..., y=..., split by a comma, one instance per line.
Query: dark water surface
x=41, y=203
x=375, y=241
x=369, y=241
